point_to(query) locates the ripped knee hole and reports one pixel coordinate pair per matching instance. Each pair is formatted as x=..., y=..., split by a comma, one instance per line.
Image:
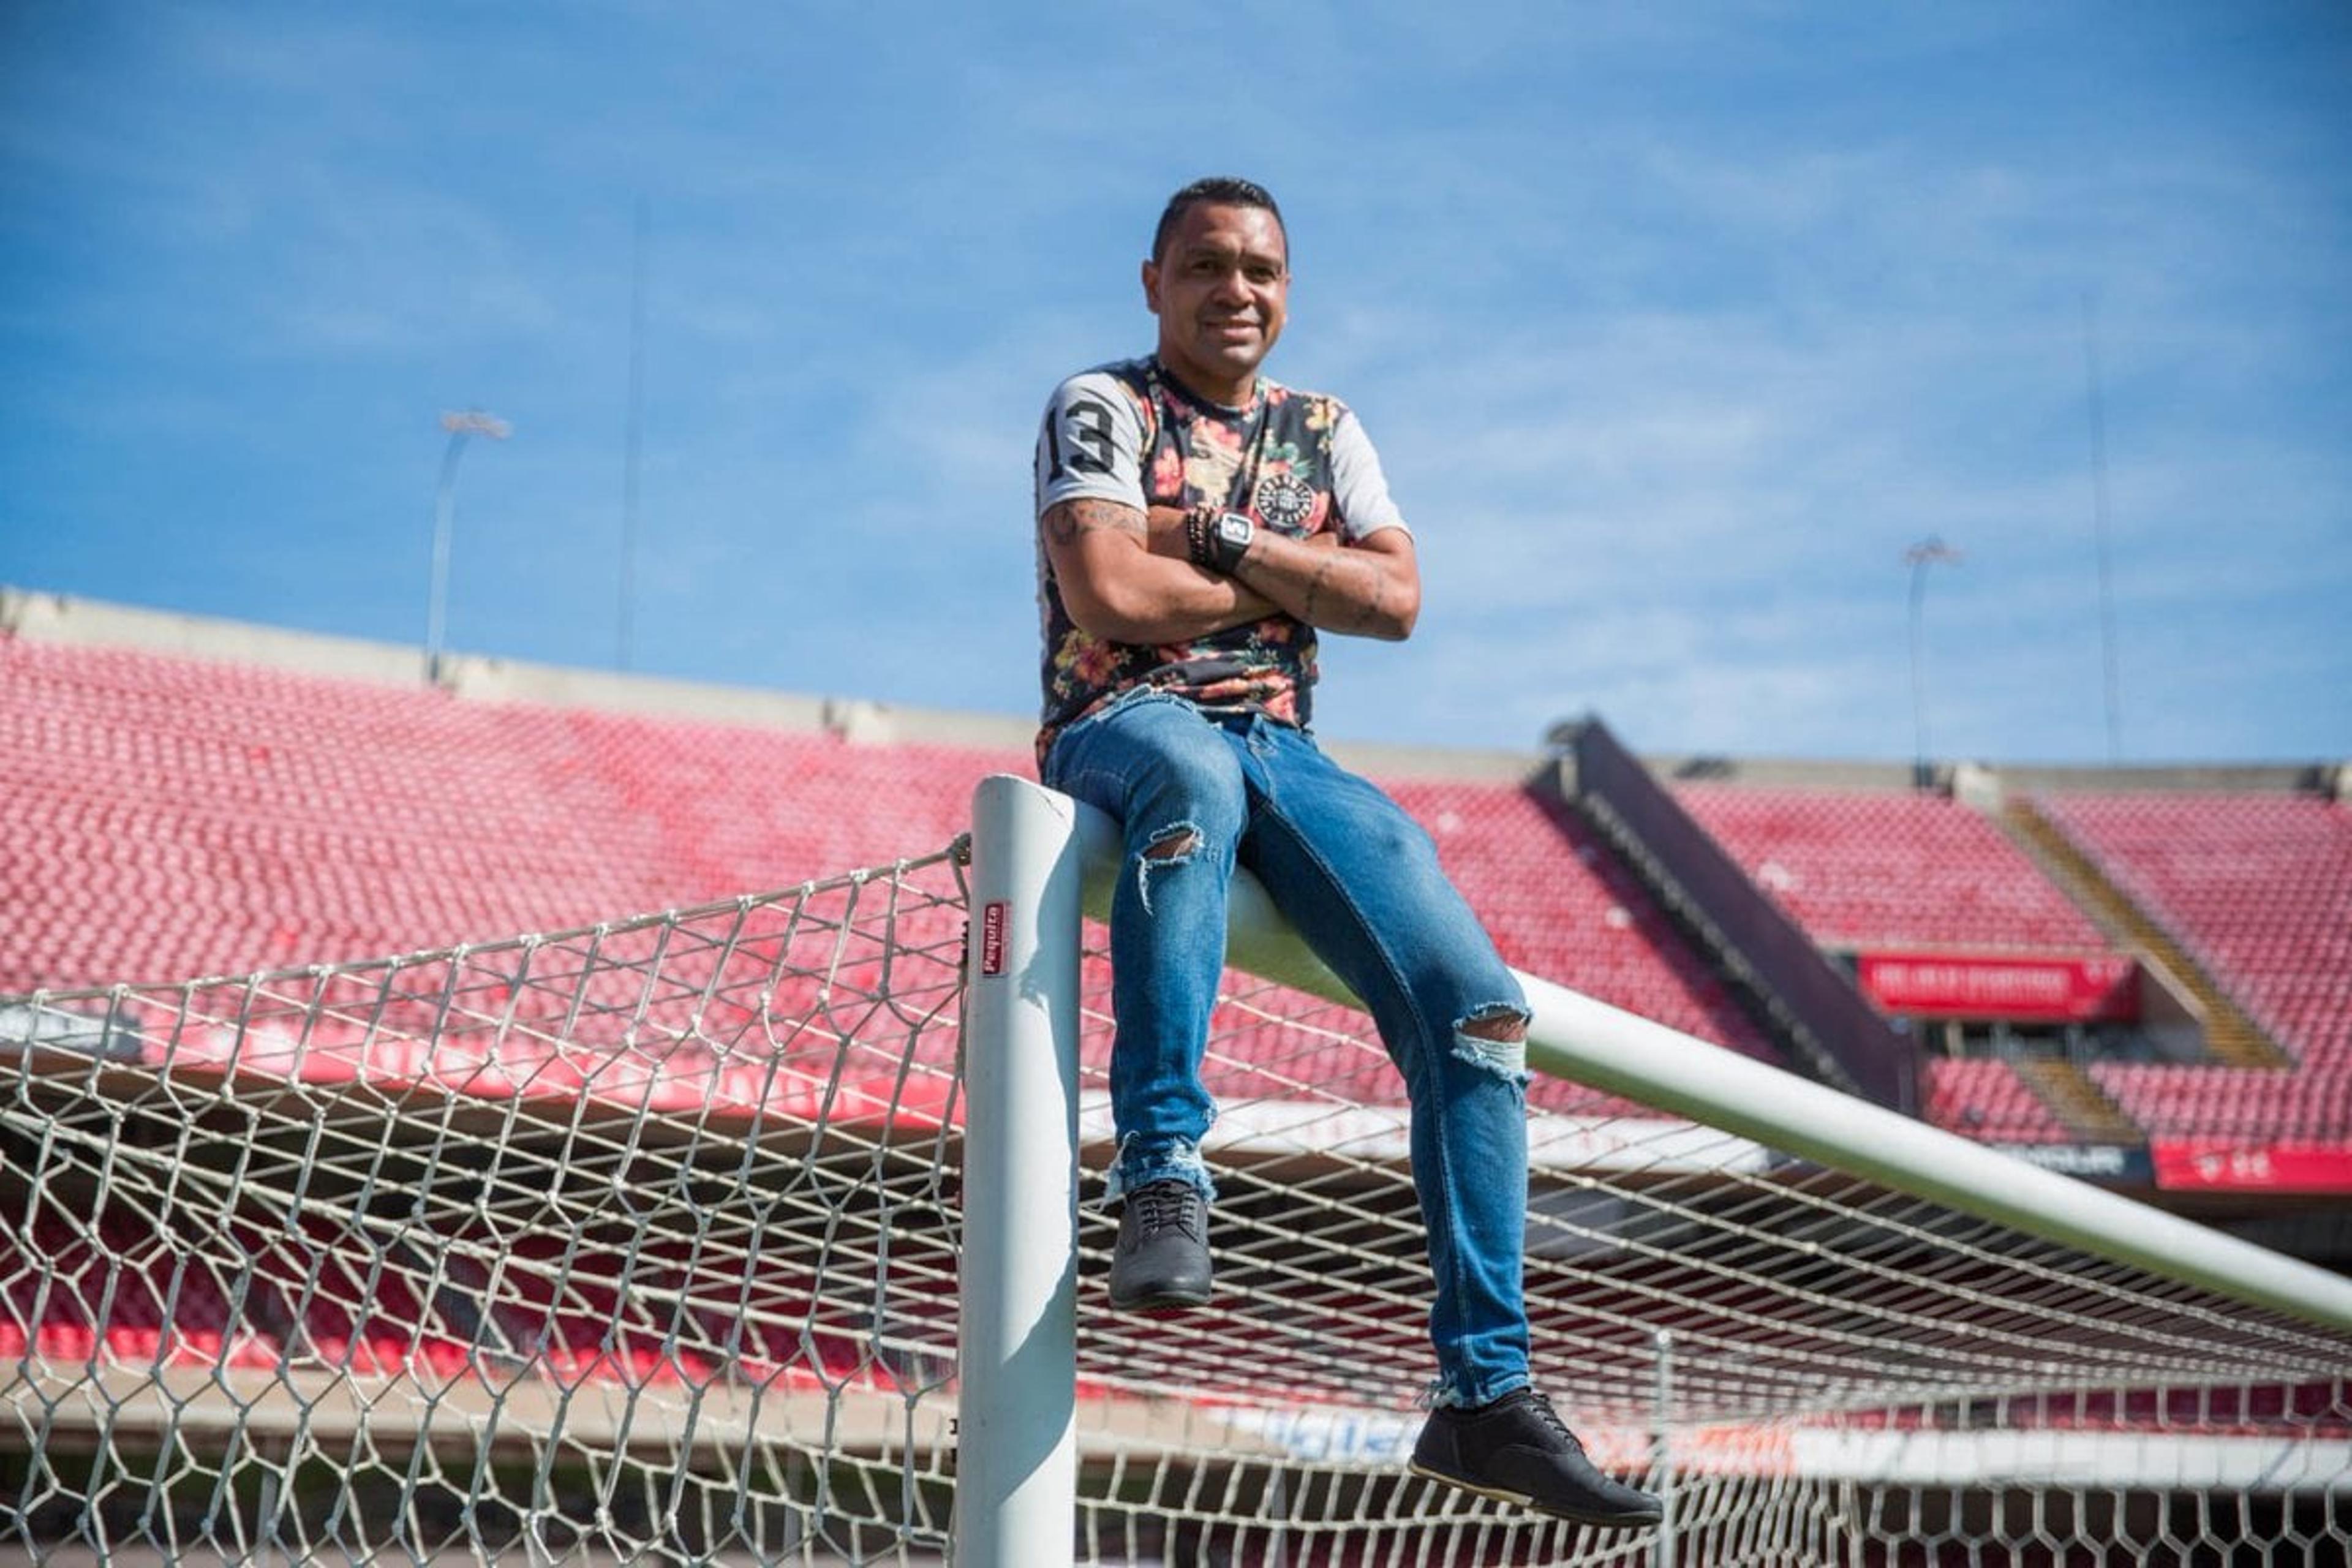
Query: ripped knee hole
x=1507, y=1027
x=1178, y=843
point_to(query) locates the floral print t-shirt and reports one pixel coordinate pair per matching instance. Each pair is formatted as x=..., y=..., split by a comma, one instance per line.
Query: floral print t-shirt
x=1296, y=462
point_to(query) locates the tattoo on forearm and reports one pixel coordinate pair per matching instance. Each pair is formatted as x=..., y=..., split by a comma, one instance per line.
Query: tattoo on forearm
x=1373, y=605
x=1315, y=589
x=1064, y=520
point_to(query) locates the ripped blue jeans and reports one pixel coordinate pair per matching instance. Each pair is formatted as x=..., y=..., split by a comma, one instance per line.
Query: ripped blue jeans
x=1196, y=795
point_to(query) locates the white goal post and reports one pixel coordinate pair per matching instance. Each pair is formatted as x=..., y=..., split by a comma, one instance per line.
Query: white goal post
x=1035, y=849
x=1016, y=1462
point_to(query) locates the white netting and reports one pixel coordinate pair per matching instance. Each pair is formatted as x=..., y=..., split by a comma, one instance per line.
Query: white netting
x=633, y=1239
x=642, y=1242
x=1817, y=1369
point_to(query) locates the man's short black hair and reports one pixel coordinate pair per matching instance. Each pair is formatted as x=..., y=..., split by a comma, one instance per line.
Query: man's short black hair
x=1222, y=189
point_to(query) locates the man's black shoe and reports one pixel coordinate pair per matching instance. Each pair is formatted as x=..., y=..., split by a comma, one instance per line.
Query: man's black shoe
x=1161, y=1263
x=1517, y=1450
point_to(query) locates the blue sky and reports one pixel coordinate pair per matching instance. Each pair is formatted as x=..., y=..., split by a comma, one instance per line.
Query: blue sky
x=1674, y=325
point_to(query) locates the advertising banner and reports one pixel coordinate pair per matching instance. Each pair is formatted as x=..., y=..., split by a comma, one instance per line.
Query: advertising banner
x=2038, y=988
x=2120, y=1164
x=2212, y=1164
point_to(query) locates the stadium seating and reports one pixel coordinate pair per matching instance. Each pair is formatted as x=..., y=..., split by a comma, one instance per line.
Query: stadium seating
x=2257, y=886
x=158, y=1309
x=164, y=817
x=2252, y=1104
x=1889, y=870
x=1559, y=903
x=1984, y=1099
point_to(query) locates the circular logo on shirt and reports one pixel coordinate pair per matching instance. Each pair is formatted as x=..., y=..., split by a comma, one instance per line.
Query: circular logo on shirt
x=1284, y=499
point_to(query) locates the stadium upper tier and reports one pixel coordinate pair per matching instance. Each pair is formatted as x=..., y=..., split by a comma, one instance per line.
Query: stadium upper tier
x=1859, y=870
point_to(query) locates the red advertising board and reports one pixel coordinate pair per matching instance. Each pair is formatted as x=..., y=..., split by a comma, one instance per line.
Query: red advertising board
x=2212, y=1164
x=2030, y=989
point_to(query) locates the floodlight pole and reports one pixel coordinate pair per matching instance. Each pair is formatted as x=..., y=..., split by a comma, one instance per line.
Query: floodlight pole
x=632, y=447
x=1919, y=557
x=460, y=425
x=2098, y=401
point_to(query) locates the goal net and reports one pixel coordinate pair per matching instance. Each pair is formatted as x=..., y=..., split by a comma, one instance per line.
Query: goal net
x=644, y=1242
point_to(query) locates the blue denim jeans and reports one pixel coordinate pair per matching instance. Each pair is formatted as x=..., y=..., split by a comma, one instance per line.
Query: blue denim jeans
x=1360, y=881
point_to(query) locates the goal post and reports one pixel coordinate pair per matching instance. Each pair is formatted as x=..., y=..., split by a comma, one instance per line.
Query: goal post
x=1016, y=1460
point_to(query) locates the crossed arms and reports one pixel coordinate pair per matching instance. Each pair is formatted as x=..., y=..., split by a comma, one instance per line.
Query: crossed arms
x=1125, y=576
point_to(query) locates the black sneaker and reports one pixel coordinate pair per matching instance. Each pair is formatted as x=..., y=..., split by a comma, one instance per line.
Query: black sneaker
x=1161, y=1262
x=1517, y=1450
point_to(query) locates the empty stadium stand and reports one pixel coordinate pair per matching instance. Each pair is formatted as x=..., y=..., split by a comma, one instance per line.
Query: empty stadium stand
x=1886, y=868
x=2229, y=1035
x=299, y=1308
x=170, y=817
x=2257, y=888
x=1560, y=904
x=1985, y=1098
x=2252, y=1104
x=168, y=813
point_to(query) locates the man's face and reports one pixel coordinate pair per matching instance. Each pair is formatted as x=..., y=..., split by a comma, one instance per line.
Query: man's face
x=1220, y=287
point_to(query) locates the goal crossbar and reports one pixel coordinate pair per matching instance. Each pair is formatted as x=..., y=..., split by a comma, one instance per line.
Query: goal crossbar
x=1575, y=1037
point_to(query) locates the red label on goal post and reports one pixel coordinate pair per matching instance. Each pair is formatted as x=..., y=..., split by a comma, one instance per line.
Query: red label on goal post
x=992, y=938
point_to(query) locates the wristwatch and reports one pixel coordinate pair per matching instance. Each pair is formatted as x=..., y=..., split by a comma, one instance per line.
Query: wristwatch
x=1230, y=538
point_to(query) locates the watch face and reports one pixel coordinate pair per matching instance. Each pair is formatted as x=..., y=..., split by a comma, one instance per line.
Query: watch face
x=1235, y=529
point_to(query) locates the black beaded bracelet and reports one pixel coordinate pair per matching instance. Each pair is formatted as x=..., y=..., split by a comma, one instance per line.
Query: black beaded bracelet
x=1200, y=538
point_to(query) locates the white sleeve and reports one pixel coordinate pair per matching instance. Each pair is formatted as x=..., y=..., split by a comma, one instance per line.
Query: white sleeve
x=1358, y=489
x=1090, y=444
